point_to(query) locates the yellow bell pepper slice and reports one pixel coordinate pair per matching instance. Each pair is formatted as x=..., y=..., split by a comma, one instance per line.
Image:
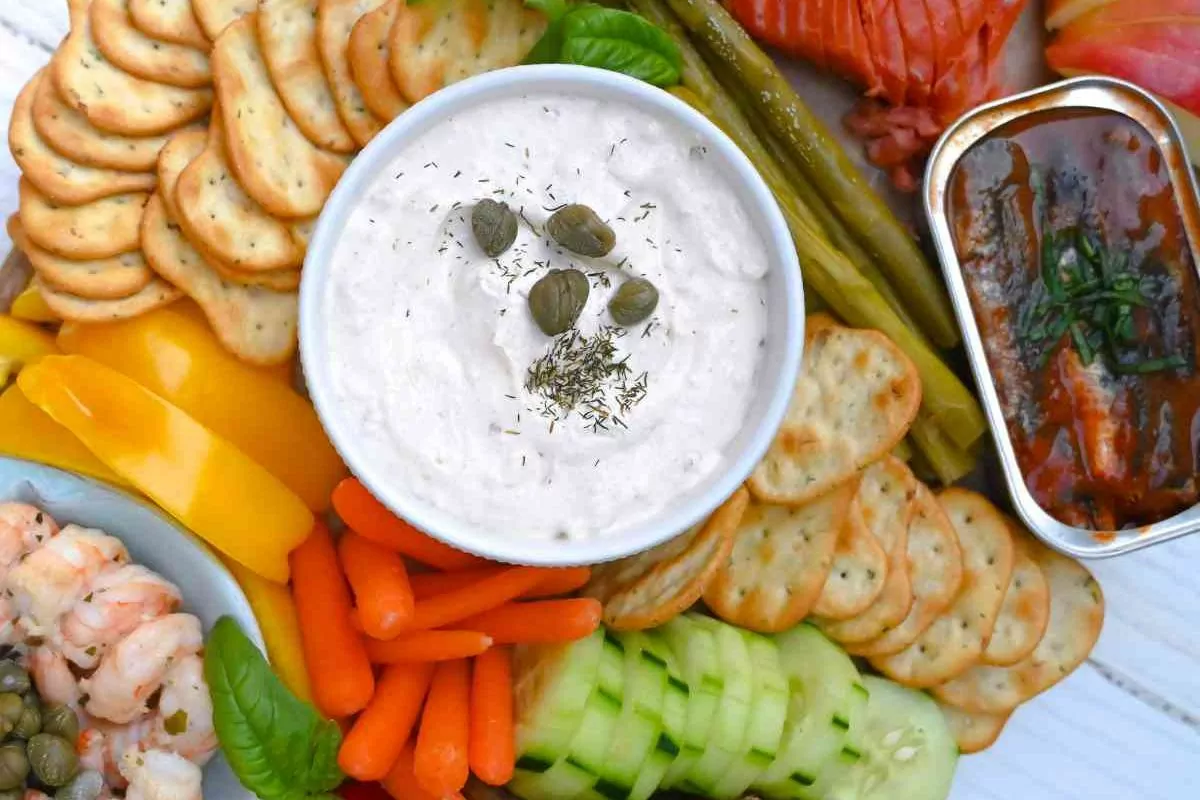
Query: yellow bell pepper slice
x=21, y=344
x=30, y=306
x=205, y=482
x=276, y=613
x=28, y=432
x=174, y=354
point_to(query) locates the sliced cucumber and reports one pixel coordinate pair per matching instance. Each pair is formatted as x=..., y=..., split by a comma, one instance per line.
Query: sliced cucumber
x=822, y=679
x=908, y=750
x=577, y=770
x=674, y=719
x=768, y=711
x=852, y=748
x=553, y=687
x=640, y=721
x=695, y=651
x=732, y=716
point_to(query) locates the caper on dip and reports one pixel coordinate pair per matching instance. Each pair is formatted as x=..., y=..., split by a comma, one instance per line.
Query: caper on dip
x=574, y=378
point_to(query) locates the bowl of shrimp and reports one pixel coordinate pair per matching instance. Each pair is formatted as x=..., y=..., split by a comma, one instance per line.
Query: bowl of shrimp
x=105, y=607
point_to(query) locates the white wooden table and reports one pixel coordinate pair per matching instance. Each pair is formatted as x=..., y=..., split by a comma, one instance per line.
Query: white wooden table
x=1126, y=726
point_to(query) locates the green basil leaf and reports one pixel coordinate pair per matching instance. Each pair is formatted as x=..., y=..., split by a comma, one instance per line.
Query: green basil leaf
x=553, y=9
x=620, y=41
x=548, y=49
x=279, y=747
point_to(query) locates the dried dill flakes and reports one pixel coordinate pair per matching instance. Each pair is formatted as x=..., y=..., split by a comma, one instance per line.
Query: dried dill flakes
x=586, y=375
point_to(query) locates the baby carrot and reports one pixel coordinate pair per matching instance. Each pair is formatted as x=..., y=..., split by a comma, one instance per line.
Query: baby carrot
x=490, y=746
x=380, y=583
x=542, y=621
x=442, y=610
x=380, y=732
x=428, y=646
x=402, y=784
x=368, y=517
x=556, y=582
x=440, y=757
x=342, y=681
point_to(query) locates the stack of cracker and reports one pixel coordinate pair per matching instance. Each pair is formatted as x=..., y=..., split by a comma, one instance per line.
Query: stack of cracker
x=940, y=592
x=185, y=147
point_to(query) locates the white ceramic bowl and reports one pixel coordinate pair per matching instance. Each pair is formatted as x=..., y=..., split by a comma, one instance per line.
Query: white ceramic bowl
x=157, y=542
x=785, y=327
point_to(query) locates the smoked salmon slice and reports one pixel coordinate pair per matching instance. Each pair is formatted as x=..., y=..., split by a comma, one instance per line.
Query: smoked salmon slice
x=918, y=48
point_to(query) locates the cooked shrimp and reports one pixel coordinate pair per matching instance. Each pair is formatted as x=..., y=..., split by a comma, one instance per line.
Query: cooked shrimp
x=22, y=528
x=134, y=669
x=121, y=598
x=159, y=775
x=53, y=677
x=102, y=745
x=184, y=721
x=52, y=579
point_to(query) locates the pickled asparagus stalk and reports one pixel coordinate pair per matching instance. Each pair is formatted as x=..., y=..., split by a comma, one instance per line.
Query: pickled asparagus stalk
x=826, y=165
x=853, y=298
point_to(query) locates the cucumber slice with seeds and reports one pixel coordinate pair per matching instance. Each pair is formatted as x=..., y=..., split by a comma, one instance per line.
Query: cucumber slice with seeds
x=732, y=716
x=695, y=651
x=822, y=679
x=578, y=768
x=907, y=748
x=768, y=711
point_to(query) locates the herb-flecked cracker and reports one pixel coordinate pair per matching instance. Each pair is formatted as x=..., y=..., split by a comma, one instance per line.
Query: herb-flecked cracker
x=99, y=279
x=858, y=572
x=956, y=638
x=885, y=499
x=287, y=34
x=780, y=560
x=141, y=56
x=1026, y=610
x=1076, y=617
x=257, y=325
x=102, y=228
x=936, y=566
x=973, y=732
x=335, y=21
x=182, y=149
x=434, y=44
x=112, y=99
x=154, y=295
x=855, y=399
x=168, y=21
x=59, y=178
x=649, y=589
x=225, y=224
x=274, y=162
x=368, y=54
x=215, y=16
x=70, y=133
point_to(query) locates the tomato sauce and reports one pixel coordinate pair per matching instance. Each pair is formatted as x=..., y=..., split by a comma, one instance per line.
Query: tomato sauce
x=1081, y=277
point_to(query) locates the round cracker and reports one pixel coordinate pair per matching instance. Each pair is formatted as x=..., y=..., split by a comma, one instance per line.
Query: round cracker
x=69, y=132
x=59, y=178
x=275, y=163
x=368, y=56
x=102, y=228
x=287, y=34
x=168, y=21
x=215, y=16
x=139, y=55
x=182, y=149
x=885, y=499
x=335, y=21
x=854, y=401
x=279, y=280
x=858, y=572
x=936, y=568
x=1026, y=610
x=973, y=732
x=257, y=325
x=956, y=639
x=223, y=222
x=101, y=279
x=155, y=294
x=114, y=100
x=780, y=560
x=1076, y=617
x=648, y=589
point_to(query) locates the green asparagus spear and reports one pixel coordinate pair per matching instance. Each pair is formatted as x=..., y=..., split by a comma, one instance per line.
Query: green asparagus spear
x=826, y=164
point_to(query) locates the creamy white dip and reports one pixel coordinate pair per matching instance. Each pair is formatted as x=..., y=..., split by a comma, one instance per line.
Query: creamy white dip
x=431, y=341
